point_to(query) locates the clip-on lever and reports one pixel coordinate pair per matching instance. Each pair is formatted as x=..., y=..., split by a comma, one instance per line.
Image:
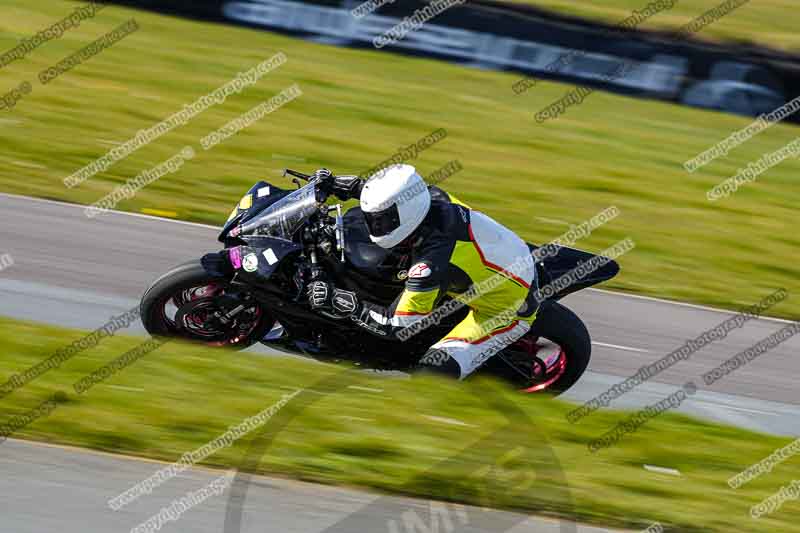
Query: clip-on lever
x=296, y=175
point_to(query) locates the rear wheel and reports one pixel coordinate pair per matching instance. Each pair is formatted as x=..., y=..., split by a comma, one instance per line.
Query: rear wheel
x=188, y=303
x=551, y=357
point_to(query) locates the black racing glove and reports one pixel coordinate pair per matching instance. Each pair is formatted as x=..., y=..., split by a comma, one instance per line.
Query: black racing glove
x=324, y=296
x=322, y=174
x=344, y=303
x=344, y=187
x=347, y=187
x=319, y=295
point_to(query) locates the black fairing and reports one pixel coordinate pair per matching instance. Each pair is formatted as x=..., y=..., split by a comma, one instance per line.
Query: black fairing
x=269, y=252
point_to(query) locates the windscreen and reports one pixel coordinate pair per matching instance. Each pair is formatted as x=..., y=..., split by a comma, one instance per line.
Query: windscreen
x=285, y=216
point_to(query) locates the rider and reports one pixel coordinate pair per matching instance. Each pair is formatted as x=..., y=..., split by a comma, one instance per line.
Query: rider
x=455, y=250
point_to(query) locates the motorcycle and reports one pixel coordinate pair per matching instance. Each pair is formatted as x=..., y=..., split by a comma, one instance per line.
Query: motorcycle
x=276, y=241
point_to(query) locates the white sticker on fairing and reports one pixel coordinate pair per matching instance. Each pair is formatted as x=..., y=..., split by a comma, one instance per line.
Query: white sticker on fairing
x=420, y=270
x=250, y=263
x=270, y=256
x=263, y=191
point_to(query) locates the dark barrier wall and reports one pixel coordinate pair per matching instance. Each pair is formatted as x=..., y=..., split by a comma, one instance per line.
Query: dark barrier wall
x=739, y=78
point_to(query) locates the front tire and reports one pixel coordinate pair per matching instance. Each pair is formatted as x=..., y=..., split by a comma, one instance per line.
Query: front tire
x=195, y=295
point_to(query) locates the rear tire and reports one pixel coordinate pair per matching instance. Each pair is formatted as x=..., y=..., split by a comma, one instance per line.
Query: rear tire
x=184, y=278
x=562, y=327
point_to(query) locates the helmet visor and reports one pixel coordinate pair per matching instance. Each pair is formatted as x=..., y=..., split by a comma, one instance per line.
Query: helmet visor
x=384, y=222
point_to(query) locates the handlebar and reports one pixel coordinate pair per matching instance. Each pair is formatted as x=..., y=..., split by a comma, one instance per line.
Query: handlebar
x=296, y=174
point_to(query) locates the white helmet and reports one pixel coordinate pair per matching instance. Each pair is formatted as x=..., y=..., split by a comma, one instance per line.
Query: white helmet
x=395, y=201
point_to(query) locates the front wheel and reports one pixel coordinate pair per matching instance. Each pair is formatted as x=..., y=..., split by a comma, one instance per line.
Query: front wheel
x=551, y=357
x=189, y=303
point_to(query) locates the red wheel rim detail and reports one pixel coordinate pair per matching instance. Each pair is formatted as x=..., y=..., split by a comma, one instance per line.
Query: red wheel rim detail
x=206, y=291
x=557, y=372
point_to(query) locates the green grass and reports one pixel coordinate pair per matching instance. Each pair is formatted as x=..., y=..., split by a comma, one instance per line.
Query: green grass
x=359, y=106
x=764, y=22
x=179, y=397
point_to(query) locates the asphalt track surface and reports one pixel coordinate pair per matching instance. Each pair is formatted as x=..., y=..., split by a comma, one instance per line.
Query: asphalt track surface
x=73, y=271
x=48, y=489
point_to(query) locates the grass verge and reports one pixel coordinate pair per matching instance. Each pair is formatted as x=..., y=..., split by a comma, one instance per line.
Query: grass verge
x=422, y=437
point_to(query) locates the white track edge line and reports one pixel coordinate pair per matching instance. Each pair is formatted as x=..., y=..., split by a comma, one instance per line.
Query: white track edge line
x=619, y=347
x=128, y=213
x=685, y=304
